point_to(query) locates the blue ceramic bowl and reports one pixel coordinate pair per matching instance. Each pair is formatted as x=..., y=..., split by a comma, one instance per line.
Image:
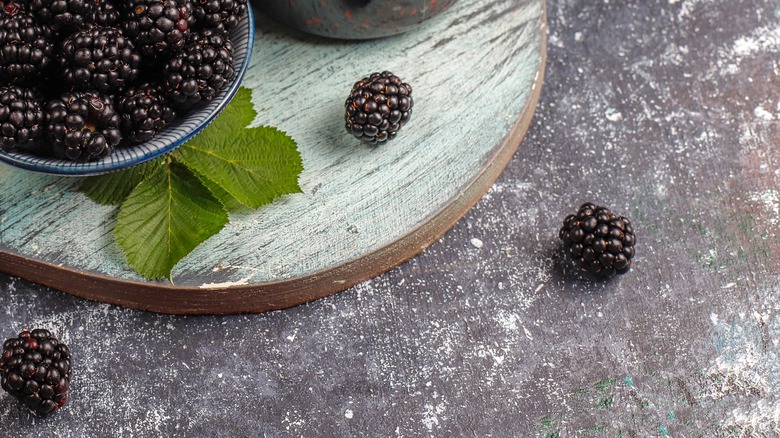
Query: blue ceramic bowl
x=172, y=137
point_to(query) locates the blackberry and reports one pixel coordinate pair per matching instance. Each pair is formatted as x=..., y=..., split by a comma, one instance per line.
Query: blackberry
x=64, y=16
x=99, y=58
x=21, y=118
x=377, y=107
x=107, y=13
x=36, y=368
x=144, y=112
x=25, y=45
x=21, y=4
x=218, y=14
x=599, y=241
x=201, y=70
x=158, y=27
x=82, y=126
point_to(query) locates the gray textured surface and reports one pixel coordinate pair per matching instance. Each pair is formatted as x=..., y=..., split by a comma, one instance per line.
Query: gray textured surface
x=664, y=110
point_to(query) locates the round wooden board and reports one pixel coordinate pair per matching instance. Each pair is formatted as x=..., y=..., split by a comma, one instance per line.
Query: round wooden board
x=477, y=73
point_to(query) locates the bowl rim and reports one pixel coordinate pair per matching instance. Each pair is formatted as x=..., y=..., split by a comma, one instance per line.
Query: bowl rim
x=53, y=166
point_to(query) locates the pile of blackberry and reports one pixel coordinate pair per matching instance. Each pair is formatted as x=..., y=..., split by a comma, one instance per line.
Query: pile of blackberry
x=81, y=78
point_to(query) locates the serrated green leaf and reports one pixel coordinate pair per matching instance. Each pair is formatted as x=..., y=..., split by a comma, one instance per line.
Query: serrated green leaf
x=164, y=218
x=112, y=188
x=254, y=165
x=235, y=117
x=228, y=201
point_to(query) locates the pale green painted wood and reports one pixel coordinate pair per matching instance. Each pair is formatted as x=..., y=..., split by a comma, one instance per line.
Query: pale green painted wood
x=472, y=69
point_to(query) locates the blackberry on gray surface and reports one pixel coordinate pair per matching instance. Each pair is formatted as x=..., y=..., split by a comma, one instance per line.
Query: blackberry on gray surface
x=144, y=111
x=599, y=241
x=201, y=70
x=377, y=107
x=64, y=16
x=99, y=58
x=159, y=28
x=82, y=126
x=25, y=45
x=21, y=118
x=218, y=14
x=36, y=367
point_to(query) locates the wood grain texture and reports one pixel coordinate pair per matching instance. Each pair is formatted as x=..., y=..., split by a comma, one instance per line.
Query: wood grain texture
x=477, y=73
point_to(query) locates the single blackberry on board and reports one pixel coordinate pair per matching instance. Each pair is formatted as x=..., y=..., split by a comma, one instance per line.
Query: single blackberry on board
x=25, y=45
x=144, y=111
x=21, y=117
x=99, y=58
x=159, y=28
x=377, y=107
x=201, y=70
x=82, y=126
x=64, y=16
x=599, y=241
x=218, y=14
x=36, y=368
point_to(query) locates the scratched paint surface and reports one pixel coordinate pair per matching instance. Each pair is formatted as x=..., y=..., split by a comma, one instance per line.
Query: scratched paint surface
x=487, y=56
x=666, y=111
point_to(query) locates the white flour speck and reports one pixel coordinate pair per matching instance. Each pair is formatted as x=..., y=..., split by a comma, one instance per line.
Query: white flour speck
x=771, y=200
x=613, y=115
x=349, y=414
x=687, y=9
x=476, y=243
x=431, y=415
x=763, y=114
x=762, y=39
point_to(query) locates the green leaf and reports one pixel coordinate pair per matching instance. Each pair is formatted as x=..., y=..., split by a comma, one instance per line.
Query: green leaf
x=112, y=188
x=254, y=165
x=234, y=118
x=165, y=217
x=228, y=201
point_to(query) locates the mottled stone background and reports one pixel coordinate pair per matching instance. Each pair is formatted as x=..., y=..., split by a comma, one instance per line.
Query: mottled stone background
x=665, y=110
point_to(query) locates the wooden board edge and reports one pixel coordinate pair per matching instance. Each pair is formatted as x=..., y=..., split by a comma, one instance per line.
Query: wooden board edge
x=170, y=299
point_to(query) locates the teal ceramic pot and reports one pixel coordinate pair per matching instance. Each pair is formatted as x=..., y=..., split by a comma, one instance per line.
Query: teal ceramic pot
x=353, y=19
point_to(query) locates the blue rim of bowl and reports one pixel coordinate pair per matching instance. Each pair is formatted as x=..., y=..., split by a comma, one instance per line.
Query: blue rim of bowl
x=123, y=158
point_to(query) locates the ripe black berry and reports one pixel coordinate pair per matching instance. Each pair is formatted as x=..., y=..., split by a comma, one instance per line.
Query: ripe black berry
x=144, y=112
x=599, y=241
x=377, y=107
x=99, y=58
x=36, y=368
x=82, y=126
x=25, y=45
x=21, y=117
x=108, y=13
x=201, y=70
x=218, y=14
x=159, y=28
x=64, y=16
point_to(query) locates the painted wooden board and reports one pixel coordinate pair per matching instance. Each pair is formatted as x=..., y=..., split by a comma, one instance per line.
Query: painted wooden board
x=477, y=72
